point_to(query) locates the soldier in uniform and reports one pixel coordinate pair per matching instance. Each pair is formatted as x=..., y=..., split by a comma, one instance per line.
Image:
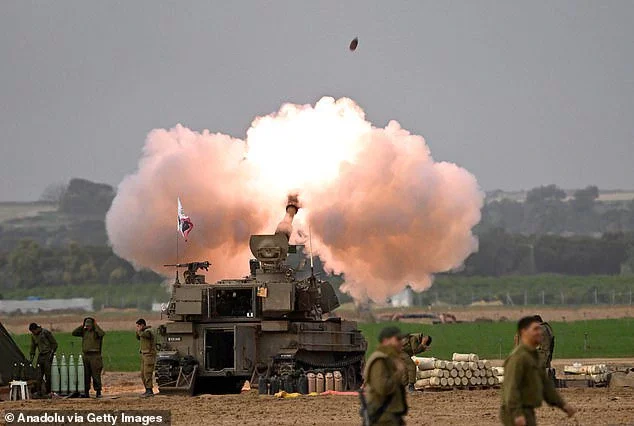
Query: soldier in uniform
x=413, y=344
x=92, y=341
x=526, y=383
x=547, y=346
x=44, y=341
x=145, y=335
x=384, y=390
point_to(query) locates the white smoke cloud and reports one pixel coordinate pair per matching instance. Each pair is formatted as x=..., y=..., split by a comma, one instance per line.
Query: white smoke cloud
x=380, y=209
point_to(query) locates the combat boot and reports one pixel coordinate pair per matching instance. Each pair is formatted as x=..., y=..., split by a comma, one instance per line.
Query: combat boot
x=148, y=392
x=98, y=395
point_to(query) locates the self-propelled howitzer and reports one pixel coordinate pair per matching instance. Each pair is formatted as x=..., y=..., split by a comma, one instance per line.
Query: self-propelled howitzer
x=268, y=327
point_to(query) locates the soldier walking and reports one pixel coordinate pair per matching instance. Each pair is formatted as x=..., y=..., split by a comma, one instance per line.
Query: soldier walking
x=526, y=383
x=384, y=389
x=413, y=344
x=92, y=342
x=44, y=341
x=145, y=335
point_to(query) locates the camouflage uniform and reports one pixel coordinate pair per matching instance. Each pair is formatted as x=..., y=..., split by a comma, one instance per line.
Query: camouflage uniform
x=412, y=345
x=46, y=344
x=547, y=346
x=148, y=355
x=384, y=389
x=92, y=341
x=525, y=386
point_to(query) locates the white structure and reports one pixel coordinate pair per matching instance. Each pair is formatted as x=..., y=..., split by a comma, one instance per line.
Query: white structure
x=35, y=306
x=404, y=299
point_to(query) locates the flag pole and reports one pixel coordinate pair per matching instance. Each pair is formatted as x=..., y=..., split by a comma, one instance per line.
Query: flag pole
x=177, y=282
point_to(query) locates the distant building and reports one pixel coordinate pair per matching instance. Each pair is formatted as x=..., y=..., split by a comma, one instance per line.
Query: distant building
x=33, y=306
x=403, y=299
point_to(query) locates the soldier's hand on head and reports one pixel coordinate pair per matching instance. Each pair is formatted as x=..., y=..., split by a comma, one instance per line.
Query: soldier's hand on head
x=520, y=421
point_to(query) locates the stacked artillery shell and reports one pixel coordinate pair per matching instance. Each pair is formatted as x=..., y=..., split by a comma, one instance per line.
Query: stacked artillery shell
x=464, y=371
x=464, y=357
x=596, y=373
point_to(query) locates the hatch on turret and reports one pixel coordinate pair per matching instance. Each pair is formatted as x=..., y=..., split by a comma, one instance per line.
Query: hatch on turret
x=270, y=250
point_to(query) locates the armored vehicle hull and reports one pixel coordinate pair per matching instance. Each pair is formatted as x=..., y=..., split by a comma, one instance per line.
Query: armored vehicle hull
x=269, y=327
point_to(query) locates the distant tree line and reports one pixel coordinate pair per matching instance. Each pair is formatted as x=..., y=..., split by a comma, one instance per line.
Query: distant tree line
x=549, y=210
x=30, y=265
x=502, y=253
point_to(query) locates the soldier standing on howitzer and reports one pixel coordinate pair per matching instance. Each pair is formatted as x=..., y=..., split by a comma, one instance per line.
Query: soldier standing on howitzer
x=92, y=340
x=145, y=335
x=413, y=344
x=526, y=383
x=384, y=389
x=44, y=341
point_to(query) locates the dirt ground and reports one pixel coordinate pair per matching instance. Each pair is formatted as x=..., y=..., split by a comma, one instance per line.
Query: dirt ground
x=597, y=406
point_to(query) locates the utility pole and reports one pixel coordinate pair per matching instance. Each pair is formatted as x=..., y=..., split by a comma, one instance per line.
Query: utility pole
x=596, y=299
x=543, y=303
x=525, y=298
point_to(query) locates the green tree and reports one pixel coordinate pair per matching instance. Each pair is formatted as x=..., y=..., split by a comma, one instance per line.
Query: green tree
x=79, y=267
x=545, y=193
x=584, y=198
x=25, y=264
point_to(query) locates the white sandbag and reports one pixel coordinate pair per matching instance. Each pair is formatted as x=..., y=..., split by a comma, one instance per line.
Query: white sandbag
x=464, y=381
x=490, y=381
x=460, y=373
x=443, y=381
x=488, y=372
x=453, y=373
x=476, y=373
x=449, y=365
x=445, y=374
x=500, y=379
x=450, y=381
x=468, y=374
x=483, y=372
x=498, y=371
x=458, y=365
x=480, y=364
x=473, y=381
x=487, y=363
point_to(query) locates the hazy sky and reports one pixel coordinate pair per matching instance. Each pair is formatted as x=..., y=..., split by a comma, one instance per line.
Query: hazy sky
x=520, y=93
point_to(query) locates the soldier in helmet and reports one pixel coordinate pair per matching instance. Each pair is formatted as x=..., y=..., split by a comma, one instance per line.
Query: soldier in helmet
x=145, y=335
x=547, y=347
x=413, y=344
x=91, y=343
x=44, y=341
x=383, y=389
